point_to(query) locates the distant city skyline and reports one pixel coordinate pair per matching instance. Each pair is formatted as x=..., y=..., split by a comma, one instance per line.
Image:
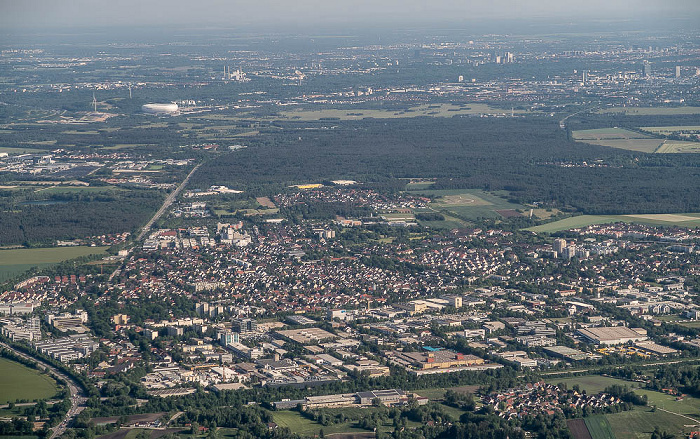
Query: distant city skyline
x=269, y=14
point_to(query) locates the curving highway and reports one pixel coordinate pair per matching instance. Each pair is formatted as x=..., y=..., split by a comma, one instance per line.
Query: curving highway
x=77, y=398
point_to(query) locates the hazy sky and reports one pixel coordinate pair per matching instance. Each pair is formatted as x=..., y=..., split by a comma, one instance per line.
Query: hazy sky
x=270, y=13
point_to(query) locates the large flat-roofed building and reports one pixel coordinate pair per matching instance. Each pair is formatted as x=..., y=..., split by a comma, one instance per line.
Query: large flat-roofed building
x=387, y=397
x=656, y=349
x=342, y=400
x=610, y=335
x=569, y=354
x=307, y=335
x=436, y=359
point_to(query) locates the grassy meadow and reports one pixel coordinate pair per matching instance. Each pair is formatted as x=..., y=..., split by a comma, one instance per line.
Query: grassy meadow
x=18, y=382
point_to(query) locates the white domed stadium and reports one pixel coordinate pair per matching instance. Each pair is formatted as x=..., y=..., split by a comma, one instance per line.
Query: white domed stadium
x=160, y=108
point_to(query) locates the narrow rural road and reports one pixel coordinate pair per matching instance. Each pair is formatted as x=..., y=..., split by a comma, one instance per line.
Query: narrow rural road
x=168, y=201
x=77, y=398
x=695, y=421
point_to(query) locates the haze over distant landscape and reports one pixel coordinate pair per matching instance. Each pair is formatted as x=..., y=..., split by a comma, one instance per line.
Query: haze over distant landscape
x=352, y=220
x=301, y=13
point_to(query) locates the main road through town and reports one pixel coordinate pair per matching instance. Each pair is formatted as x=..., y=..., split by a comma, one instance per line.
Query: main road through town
x=77, y=398
x=168, y=201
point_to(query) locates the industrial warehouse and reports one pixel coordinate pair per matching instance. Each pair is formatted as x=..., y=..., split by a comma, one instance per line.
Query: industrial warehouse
x=389, y=397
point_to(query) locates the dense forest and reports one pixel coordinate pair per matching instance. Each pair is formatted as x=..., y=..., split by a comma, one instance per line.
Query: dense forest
x=75, y=216
x=531, y=158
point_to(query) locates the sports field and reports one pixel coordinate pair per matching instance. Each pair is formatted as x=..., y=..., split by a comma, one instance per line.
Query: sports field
x=18, y=382
x=467, y=204
x=574, y=222
x=17, y=261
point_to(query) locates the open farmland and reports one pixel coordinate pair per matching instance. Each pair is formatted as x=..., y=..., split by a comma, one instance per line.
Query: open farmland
x=634, y=141
x=590, y=383
x=640, y=145
x=671, y=129
x=598, y=427
x=651, y=111
x=679, y=147
x=16, y=261
x=607, y=134
x=674, y=416
x=18, y=382
x=684, y=220
x=437, y=110
x=640, y=422
x=578, y=428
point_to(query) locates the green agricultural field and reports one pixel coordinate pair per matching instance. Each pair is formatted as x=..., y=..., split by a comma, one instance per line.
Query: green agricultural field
x=591, y=383
x=640, y=145
x=419, y=185
x=670, y=129
x=651, y=111
x=20, y=382
x=20, y=150
x=607, y=134
x=10, y=271
x=449, y=223
x=670, y=415
x=599, y=427
x=640, y=422
x=681, y=219
x=688, y=406
x=678, y=147
x=634, y=141
x=17, y=261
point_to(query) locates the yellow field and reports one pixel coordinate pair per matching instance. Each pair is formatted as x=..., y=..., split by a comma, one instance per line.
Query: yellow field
x=308, y=186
